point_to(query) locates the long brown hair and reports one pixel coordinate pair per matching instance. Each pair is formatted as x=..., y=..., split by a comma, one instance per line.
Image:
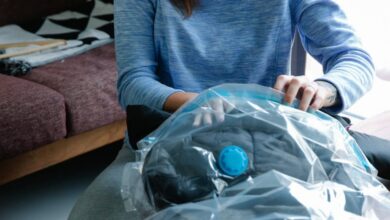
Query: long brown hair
x=186, y=6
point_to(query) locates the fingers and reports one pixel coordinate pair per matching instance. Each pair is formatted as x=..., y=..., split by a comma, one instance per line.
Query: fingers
x=319, y=99
x=208, y=115
x=207, y=120
x=203, y=117
x=281, y=82
x=219, y=110
x=309, y=94
x=300, y=87
x=197, y=120
x=228, y=106
x=296, y=84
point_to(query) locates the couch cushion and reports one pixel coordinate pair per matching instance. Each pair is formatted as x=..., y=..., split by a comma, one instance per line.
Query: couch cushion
x=31, y=115
x=88, y=83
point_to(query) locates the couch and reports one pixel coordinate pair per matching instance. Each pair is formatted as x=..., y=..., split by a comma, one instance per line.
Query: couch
x=59, y=110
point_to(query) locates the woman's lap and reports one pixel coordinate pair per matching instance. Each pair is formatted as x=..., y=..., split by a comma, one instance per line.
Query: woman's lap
x=102, y=199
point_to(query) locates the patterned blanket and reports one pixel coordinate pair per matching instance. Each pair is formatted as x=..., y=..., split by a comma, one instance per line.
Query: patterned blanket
x=89, y=27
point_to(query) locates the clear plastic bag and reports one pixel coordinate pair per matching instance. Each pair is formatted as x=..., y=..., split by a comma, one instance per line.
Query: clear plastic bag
x=237, y=152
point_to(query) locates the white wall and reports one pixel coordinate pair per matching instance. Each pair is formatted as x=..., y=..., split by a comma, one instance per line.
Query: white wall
x=371, y=19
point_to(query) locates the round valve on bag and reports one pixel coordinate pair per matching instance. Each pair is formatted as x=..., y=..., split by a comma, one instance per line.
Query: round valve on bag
x=233, y=160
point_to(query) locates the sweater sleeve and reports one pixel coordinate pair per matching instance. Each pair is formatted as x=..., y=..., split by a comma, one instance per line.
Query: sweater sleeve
x=138, y=83
x=327, y=36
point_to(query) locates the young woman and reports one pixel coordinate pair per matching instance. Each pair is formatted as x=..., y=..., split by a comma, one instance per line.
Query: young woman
x=170, y=50
x=167, y=51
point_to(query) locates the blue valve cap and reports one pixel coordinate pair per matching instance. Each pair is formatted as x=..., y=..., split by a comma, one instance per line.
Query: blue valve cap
x=233, y=161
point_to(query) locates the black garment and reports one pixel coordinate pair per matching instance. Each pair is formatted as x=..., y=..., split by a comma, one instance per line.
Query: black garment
x=377, y=150
x=178, y=169
x=142, y=120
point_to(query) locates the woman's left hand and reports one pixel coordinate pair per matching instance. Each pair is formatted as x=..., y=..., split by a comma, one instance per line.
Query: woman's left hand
x=314, y=94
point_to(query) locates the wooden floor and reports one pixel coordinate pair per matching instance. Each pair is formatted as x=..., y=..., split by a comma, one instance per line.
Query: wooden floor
x=50, y=194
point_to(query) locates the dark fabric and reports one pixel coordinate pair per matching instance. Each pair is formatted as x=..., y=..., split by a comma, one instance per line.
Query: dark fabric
x=176, y=171
x=88, y=84
x=346, y=122
x=377, y=150
x=30, y=11
x=14, y=67
x=261, y=201
x=102, y=198
x=31, y=115
x=141, y=120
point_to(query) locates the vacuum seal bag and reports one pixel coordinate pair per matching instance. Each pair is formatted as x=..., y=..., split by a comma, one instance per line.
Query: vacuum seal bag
x=236, y=152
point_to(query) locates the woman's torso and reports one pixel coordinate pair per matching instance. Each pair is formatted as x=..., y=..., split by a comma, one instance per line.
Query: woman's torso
x=242, y=41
